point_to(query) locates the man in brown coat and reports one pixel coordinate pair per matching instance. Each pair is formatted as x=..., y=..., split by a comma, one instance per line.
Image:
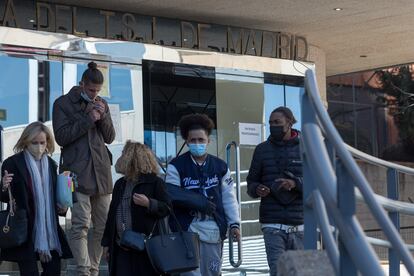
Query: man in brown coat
x=82, y=125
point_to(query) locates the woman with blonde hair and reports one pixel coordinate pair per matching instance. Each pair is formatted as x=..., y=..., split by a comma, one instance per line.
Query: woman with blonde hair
x=32, y=176
x=139, y=200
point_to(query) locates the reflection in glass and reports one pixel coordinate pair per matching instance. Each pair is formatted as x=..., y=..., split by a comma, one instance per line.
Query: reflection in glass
x=274, y=97
x=120, y=86
x=240, y=99
x=281, y=94
x=293, y=100
x=14, y=91
x=55, y=83
x=170, y=92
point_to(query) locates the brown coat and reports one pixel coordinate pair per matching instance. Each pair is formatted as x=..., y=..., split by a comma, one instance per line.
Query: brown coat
x=83, y=142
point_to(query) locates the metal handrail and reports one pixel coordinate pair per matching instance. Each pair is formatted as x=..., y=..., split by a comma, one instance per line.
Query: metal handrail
x=390, y=204
x=384, y=243
x=238, y=196
x=325, y=229
x=315, y=150
x=241, y=172
x=317, y=159
x=379, y=162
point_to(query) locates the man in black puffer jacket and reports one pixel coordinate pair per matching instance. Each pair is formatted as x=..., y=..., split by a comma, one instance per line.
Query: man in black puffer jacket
x=275, y=176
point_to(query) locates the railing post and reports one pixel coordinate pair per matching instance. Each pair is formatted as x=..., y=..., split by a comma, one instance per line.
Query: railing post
x=392, y=192
x=311, y=234
x=238, y=196
x=332, y=156
x=346, y=205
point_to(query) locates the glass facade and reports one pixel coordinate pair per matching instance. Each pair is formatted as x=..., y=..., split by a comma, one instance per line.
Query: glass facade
x=147, y=99
x=373, y=111
x=170, y=92
x=14, y=91
x=227, y=96
x=148, y=87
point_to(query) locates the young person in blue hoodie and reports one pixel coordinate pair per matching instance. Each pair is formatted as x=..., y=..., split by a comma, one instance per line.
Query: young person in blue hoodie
x=201, y=190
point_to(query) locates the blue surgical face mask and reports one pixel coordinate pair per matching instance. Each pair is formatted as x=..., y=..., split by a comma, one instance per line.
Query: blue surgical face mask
x=197, y=149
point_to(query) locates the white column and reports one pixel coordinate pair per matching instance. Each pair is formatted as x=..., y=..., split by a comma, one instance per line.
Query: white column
x=138, y=103
x=70, y=71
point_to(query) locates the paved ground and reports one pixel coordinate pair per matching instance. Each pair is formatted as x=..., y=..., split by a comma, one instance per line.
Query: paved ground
x=254, y=260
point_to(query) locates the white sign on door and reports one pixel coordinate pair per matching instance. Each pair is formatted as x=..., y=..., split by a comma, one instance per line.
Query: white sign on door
x=250, y=134
x=116, y=121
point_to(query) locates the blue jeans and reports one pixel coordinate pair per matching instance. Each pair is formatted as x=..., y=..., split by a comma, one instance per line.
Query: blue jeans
x=277, y=242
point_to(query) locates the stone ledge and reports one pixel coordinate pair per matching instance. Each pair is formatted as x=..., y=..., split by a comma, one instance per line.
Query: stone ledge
x=304, y=262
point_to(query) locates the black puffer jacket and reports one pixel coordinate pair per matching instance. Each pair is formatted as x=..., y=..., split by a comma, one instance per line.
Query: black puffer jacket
x=272, y=160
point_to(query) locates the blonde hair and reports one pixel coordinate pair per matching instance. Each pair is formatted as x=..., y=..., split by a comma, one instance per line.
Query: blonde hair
x=137, y=159
x=30, y=132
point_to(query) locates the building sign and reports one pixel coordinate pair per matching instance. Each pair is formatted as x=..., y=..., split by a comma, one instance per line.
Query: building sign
x=80, y=21
x=250, y=134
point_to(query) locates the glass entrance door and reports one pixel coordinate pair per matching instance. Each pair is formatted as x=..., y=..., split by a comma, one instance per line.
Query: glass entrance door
x=171, y=91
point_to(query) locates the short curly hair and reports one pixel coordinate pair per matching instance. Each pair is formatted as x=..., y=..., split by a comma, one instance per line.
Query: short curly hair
x=195, y=122
x=137, y=159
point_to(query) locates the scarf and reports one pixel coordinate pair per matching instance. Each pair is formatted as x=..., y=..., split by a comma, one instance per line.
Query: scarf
x=123, y=214
x=45, y=237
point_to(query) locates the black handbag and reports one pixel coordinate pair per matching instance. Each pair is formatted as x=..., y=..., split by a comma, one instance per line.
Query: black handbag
x=133, y=240
x=174, y=252
x=13, y=225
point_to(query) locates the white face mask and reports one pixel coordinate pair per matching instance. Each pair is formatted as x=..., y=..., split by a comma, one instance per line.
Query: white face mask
x=37, y=150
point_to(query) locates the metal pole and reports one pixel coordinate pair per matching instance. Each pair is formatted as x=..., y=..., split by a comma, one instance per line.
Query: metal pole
x=238, y=196
x=311, y=234
x=326, y=230
x=346, y=205
x=361, y=256
x=392, y=192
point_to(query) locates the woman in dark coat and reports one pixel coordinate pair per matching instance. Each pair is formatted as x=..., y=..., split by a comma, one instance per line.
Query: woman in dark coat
x=32, y=176
x=139, y=200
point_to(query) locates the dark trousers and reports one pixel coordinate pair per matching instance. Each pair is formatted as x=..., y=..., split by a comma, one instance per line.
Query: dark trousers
x=29, y=267
x=124, y=263
x=277, y=242
x=129, y=263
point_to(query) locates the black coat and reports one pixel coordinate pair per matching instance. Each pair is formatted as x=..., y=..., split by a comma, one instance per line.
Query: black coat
x=23, y=194
x=143, y=219
x=272, y=160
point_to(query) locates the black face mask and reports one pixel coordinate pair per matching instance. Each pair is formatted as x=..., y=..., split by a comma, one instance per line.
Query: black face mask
x=277, y=132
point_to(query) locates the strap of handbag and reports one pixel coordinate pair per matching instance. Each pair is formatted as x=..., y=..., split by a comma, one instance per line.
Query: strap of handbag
x=12, y=209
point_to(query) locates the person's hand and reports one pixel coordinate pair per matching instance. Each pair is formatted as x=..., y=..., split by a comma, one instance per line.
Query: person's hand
x=61, y=211
x=235, y=234
x=141, y=200
x=7, y=179
x=262, y=190
x=100, y=107
x=287, y=184
x=211, y=207
x=94, y=115
x=105, y=253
